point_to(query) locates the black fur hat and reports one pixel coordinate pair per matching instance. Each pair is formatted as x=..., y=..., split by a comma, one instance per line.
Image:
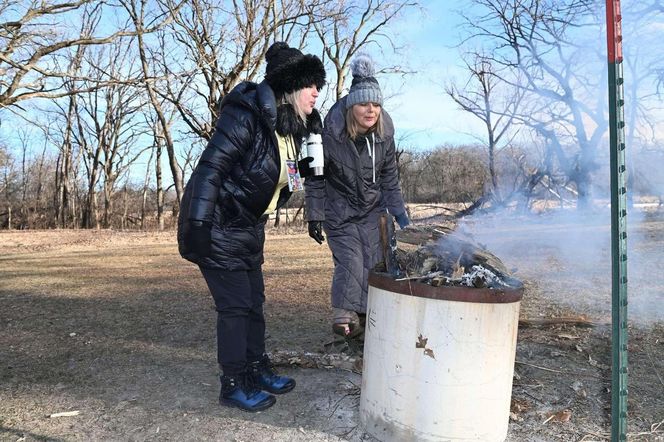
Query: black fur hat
x=288, y=69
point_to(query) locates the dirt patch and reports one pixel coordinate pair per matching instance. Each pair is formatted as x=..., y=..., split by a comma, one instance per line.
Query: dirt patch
x=117, y=326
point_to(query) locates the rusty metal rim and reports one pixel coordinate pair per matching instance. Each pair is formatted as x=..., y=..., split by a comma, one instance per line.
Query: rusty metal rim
x=446, y=293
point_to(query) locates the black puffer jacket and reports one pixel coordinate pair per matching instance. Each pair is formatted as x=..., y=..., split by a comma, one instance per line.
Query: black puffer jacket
x=235, y=180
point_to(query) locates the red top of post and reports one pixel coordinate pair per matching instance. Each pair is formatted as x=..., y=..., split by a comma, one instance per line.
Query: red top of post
x=614, y=31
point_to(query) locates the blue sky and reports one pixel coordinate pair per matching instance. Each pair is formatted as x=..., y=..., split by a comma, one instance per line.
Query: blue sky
x=423, y=114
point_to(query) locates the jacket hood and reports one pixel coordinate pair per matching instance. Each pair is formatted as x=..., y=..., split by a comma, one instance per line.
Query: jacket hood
x=257, y=97
x=335, y=122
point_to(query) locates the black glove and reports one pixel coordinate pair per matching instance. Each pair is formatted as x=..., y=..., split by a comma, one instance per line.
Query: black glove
x=316, y=231
x=303, y=166
x=402, y=220
x=200, y=237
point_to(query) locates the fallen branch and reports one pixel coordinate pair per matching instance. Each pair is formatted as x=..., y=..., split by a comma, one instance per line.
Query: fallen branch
x=580, y=321
x=537, y=366
x=421, y=207
x=560, y=371
x=315, y=360
x=65, y=414
x=655, y=427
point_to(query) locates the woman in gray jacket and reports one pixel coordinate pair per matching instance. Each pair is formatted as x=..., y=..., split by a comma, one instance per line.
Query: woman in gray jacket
x=360, y=181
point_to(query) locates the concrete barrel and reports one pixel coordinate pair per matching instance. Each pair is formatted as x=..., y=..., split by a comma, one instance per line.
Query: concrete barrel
x=438, y=361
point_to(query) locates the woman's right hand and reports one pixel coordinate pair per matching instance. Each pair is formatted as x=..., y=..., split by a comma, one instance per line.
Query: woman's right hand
x=316, y=231
x=200, y=238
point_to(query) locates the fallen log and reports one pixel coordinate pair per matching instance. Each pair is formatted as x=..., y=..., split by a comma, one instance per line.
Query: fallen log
x=303, y=359
x=578, y=321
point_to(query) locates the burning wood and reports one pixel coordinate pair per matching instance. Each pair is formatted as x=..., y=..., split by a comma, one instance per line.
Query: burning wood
x=442, y=257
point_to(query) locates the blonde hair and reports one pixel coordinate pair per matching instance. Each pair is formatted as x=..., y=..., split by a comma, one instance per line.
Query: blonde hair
x=292, y=99
x=353, y=128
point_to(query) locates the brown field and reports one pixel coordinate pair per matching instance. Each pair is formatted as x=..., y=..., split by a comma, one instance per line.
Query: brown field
x=116, y=326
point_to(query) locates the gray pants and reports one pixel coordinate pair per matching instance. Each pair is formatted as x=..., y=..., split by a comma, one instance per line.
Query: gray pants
x=356, y=250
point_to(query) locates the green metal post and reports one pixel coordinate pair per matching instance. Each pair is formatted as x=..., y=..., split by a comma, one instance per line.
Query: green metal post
x=618, y=224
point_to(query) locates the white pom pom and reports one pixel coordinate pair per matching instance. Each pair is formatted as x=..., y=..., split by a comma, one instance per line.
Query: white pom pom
x=362, y=66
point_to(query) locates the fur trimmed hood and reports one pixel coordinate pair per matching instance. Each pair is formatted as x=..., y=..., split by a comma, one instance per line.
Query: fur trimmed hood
x=288, y=123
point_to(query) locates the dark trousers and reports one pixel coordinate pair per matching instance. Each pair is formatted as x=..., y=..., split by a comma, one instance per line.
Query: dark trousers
x=238, y=297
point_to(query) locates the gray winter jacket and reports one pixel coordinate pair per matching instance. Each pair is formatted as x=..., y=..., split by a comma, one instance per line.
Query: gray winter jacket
x=342, y=195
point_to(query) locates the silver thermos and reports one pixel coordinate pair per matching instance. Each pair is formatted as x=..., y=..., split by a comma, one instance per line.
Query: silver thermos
x=315, y=151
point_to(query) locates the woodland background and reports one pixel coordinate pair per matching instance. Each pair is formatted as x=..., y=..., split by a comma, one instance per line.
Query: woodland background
x=105, y=106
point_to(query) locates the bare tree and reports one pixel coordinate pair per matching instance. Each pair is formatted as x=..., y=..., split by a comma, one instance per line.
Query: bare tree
x=156, y=154
x=346, y=27
x=108, y=126
x=481, y=97
x=216, y=48
x=137, y=12
x=543, y=42
x=8, y=184
x=32, y=33
x=644, y=70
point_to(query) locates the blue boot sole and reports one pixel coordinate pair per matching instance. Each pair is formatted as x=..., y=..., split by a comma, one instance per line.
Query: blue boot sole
x=279, y=391
x=258, y=407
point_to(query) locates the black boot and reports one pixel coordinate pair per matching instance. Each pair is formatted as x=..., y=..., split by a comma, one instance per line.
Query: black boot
x=266, y=378
x=240, y=391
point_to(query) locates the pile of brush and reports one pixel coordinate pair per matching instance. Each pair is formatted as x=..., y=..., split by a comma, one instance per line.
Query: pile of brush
x=440, y=256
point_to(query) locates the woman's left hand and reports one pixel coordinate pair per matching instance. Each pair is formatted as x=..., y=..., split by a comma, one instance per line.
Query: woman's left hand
x=402, y=220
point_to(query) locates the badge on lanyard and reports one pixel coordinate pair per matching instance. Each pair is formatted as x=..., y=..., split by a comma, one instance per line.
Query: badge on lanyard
x=294, y=179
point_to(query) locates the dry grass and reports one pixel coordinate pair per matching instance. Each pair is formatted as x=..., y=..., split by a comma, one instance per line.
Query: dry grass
x=108, y=321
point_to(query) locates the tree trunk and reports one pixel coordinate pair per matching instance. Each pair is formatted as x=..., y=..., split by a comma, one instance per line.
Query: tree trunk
x=92, y=210
x=62, y=171
x=176, y=172
x=23, y=212
x=40, y=187
x=160, y=190
x=107, y=204
x=146, y=185
x=125, y=201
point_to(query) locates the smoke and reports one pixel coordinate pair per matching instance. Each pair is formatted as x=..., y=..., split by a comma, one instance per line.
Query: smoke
x=565, y=257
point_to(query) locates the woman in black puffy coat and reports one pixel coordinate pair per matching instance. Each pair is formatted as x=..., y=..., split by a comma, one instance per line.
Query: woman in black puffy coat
x=244, y=174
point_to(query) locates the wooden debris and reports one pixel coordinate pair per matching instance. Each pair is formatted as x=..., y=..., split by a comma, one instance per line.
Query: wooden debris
x=538, y=367
x=559, y=416
x=388, y=244
x=519, y=405
x=315, y=360
x=65, y=414
x=578, y=321
x=447, y=257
